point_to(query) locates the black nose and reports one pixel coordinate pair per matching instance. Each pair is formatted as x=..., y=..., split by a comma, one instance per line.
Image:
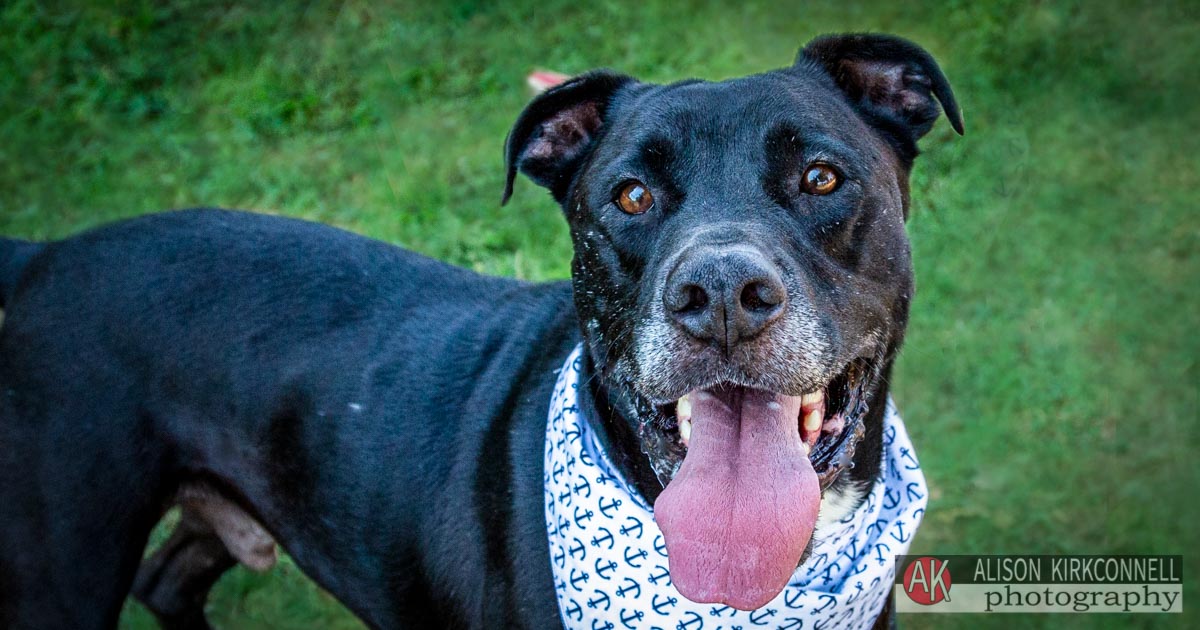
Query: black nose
x=724, y=295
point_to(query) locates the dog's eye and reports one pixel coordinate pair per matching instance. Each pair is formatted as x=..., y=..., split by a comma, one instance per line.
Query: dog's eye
x=820, y=179
x=635, y=198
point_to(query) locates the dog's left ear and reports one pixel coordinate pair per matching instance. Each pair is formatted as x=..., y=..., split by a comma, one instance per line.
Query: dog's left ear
x=892, y=81
x=557, y=131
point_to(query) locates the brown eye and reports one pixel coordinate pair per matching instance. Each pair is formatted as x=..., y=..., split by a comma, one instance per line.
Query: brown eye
x=635, y=198
x=820, y=179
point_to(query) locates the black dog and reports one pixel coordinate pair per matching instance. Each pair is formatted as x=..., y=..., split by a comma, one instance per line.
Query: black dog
x=383, y=415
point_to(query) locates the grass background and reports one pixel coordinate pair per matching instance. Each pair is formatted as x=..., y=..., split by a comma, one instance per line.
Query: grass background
x=1050, y=375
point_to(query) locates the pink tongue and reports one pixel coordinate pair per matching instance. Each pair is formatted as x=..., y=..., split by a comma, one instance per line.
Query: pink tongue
x=738, y=514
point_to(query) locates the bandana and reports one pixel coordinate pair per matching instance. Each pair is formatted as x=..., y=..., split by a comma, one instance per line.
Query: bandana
x=610, y=562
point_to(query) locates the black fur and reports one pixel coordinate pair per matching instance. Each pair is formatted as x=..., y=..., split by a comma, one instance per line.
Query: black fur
x=14, y=256
x=383, y=414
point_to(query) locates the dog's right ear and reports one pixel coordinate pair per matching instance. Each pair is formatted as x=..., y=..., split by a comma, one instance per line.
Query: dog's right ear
x=555, y=133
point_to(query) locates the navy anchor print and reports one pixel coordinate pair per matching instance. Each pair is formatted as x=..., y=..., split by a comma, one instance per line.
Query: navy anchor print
x=610, y=564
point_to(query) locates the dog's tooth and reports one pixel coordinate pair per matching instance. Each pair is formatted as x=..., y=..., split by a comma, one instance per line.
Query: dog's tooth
x=683, y=413
x=811, y=398
x=807, y=449
x=683, y=409
x=812, y=420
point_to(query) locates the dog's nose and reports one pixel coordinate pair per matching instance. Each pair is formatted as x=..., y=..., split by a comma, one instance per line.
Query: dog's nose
x=724, y=295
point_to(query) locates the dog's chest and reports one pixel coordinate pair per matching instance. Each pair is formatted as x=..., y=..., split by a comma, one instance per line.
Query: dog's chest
x=610, y=563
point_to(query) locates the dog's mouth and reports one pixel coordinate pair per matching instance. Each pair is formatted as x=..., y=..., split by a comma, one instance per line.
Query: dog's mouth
x=838, y=407
x=744, y=469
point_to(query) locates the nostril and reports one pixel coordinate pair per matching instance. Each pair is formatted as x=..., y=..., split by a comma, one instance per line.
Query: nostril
x=760, y=296
x=695, y=299
x=686, y=299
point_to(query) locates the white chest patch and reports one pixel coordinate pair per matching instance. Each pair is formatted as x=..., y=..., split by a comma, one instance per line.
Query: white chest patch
x=610, y=564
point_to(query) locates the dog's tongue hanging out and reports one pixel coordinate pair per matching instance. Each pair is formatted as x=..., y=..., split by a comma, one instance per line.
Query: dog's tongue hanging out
x=737, y=516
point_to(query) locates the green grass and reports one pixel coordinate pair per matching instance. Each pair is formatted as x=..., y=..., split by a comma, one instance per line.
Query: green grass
x=1050, y=374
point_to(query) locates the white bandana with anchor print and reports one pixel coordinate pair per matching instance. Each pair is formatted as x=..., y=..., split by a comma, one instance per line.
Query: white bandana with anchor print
x=610, y=564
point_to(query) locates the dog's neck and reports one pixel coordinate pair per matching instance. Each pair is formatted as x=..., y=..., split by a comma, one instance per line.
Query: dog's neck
x=611, y=411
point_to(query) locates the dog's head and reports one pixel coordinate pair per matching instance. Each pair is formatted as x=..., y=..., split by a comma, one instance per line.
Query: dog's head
x=742, y=276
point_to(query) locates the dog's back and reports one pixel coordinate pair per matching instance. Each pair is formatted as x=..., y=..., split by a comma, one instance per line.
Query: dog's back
x=14, y=256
